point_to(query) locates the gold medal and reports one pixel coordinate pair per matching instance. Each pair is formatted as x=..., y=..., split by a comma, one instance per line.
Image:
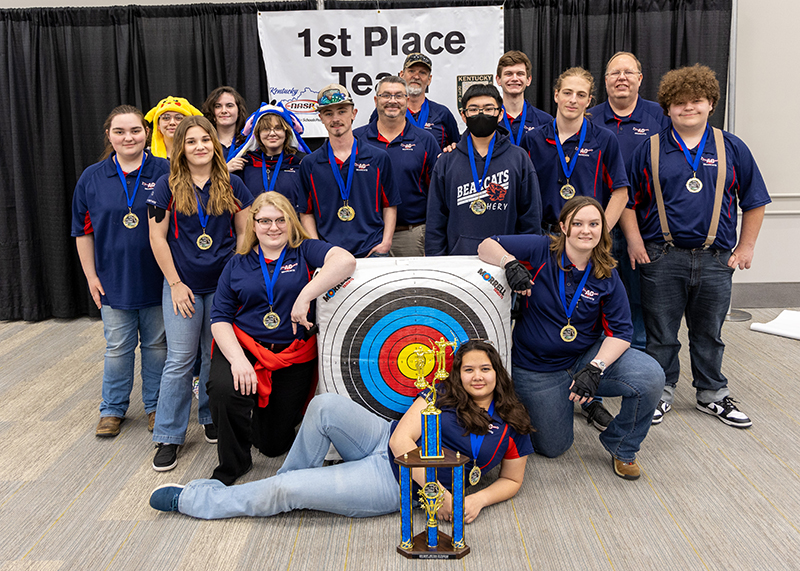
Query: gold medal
x=478, y=206
x=130, y=220
x=567, y=191
x=346, y=213
x=272, y=320
x=694, y=185
x=569, y=333
x=204, y=241
x=474, y=475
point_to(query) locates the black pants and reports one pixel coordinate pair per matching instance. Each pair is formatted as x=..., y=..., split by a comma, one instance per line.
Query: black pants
x=242, y=423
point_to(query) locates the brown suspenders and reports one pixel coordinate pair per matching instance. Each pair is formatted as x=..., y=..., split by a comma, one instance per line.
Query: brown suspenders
x=720, y=188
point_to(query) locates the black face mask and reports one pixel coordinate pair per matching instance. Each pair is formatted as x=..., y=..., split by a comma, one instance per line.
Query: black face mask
x=482, y=125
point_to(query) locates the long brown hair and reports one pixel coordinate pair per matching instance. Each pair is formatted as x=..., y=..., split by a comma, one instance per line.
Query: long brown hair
x=119, y=110
x=473, y=418
x=296, y=232
x=207, y=110
x=221, y=199
x=274, y=121
x=602, y=261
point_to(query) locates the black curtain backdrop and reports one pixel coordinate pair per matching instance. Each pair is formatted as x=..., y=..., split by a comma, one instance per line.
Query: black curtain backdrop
x=65, y=69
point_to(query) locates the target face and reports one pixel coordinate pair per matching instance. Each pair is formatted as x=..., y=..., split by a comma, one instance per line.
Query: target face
x=372, y=325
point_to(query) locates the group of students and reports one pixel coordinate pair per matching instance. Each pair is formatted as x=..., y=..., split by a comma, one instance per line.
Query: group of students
x=550, y=194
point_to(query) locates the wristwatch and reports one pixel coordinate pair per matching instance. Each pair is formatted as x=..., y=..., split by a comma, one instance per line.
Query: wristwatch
x=599, y=364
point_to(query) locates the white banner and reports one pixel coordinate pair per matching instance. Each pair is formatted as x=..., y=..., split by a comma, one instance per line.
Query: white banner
x=306, y=50
x=370, y=324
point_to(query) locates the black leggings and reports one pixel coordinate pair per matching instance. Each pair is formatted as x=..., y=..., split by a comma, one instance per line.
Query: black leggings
x=242, y=423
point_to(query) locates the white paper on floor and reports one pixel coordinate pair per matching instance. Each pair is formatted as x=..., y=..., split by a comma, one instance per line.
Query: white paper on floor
x=787, y=324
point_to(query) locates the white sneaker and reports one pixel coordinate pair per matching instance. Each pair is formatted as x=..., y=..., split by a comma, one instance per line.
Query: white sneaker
x=726, y=411
x=662, y=409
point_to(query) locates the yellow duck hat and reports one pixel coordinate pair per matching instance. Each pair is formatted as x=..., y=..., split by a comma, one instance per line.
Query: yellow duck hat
x=169, y=103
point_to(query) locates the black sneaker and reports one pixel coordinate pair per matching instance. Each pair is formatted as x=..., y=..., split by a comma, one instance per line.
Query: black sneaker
x=211, y=433
x=166, y=457
x=597, y=415
x=662, y=409
x=726, y=411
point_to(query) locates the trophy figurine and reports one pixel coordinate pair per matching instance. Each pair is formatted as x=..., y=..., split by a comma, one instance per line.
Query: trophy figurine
x=432, y=543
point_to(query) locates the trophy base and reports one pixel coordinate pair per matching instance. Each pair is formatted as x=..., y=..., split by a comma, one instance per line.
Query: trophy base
x=444, y=550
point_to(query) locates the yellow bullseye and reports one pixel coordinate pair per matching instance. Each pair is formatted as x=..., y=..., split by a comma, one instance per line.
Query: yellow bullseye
x=407, y=361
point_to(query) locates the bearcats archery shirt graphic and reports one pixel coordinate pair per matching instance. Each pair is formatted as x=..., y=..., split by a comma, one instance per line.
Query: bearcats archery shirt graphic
x=461, y=215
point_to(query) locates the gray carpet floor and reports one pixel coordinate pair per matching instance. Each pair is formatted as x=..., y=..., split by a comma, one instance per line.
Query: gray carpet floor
x=711, y=496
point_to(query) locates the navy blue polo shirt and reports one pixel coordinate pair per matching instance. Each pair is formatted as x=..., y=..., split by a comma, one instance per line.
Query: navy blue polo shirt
x=241, y=296
x=373, y=190
x=288, y=183
x=123, y=259
x=534, y=117
x=413, y=153
x=441, y=123
x=502, y=442
x=689, y=214
x=199, y=269
x=603, y=309
x=646, y=119
x=599, y=171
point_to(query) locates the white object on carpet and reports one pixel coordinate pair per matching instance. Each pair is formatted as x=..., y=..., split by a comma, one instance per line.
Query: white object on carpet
x=787, y=324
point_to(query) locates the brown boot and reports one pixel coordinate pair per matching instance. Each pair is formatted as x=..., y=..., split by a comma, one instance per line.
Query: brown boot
x=108, y=426
x=151, y=420
x=627, y=470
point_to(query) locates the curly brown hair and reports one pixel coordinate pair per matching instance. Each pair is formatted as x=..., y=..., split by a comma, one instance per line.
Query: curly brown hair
x=473, y=418
x=680, y=85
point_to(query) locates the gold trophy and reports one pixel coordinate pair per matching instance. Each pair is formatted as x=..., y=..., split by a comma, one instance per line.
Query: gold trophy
x=432, y=543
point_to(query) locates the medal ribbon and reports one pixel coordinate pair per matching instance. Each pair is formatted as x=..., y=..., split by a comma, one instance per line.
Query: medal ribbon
x=471, y=153
x=337, y=174
x=124, y=181
x=696, y=163
x=568, y=168
x=476, y=441
x=203, y=217
x=516, y=140
x=423, y=115
x=269, y=281
x=267, y=179
x=562, y=291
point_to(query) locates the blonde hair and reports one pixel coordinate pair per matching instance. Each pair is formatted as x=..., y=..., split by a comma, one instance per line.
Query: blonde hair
x=296, y=232
x=221, y=199
x=580, y=73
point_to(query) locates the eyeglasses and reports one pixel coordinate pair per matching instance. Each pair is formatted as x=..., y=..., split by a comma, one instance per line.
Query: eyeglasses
x=268, y=130
x=629, y=73
x=267, y=223
x=473, y=110
x=169, y=118
x=332, y=96
x=390, y=96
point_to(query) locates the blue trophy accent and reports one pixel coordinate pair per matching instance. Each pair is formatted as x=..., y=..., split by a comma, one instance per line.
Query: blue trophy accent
x=432, y=543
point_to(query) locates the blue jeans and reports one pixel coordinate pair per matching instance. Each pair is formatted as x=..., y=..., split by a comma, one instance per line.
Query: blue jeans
x=362, y=486
x=695, y=284
x=630, y=279
x=123, y=329
x=175, y=398
x=635, y=377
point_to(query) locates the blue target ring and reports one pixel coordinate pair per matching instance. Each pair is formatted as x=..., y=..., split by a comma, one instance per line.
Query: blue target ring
x=367, y=335
x=380, y=332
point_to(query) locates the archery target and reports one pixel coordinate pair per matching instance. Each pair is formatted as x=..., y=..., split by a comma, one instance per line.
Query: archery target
x=371, y=324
